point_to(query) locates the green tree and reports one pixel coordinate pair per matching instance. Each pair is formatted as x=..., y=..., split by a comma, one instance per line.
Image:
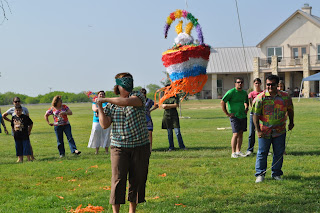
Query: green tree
x=137, y=88
x=32, y=100
x=110, y=94
x=152, y=88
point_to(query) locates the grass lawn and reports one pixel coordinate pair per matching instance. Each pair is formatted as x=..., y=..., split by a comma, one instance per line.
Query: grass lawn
x=201, y=179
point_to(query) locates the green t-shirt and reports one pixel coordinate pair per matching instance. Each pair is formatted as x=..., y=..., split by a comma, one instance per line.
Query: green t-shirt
x=236, y=100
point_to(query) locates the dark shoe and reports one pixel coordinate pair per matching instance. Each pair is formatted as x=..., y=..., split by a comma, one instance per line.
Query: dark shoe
x=77, y=152
x=62, y=156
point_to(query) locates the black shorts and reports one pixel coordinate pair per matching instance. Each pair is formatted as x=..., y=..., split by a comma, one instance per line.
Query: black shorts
x=238, y=124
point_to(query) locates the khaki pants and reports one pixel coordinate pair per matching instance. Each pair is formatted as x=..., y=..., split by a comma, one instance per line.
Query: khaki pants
x=134, y=161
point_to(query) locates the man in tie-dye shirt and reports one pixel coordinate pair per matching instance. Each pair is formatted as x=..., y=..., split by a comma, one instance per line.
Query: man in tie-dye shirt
x=270, y=110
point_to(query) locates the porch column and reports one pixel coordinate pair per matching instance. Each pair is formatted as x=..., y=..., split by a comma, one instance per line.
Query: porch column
x=306, y=73
x=262, y=76
x=274, y=65
x=287, y=80
x=256, y=68
x=214, y=78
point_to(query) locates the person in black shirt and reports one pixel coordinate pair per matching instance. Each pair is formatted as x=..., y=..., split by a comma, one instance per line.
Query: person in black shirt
x=21, y=126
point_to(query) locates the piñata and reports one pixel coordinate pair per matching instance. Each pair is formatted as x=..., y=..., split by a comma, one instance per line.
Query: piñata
x=186, y=62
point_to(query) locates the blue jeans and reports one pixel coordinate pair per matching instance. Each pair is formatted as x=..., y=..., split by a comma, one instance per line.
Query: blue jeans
x=59, y=133
x=22, y=147
x=179, y=137
x=252, y=135
x=278, y=145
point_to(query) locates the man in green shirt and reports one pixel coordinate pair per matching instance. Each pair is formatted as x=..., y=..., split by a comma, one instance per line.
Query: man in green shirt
x=238, y=103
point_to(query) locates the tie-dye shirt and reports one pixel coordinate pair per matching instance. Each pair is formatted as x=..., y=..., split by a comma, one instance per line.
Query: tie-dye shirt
x=59, y=120
x=272, y=112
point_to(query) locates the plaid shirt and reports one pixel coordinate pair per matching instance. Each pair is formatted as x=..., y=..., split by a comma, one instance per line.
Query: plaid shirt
x=129, y=125
x=272, y=112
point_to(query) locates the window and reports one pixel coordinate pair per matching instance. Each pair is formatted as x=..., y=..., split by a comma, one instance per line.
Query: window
x=298, y=52
x=295, y=52
x=318, y=53
x=274, y=51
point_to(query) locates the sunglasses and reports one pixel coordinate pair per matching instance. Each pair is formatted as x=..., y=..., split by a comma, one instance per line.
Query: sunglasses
x=16, y=101
x=239, y=82
x=271, y=84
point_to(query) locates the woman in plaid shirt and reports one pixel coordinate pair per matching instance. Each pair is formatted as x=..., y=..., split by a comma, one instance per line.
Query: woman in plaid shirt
x=130, y=146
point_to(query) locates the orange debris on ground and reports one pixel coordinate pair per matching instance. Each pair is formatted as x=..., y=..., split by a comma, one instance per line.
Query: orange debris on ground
x=89, y=208
x=107, y=188
x=180, y=204
x=75, y=169
x=163, y=175
x=60, y=197
x=157, y=197
x=59, y=178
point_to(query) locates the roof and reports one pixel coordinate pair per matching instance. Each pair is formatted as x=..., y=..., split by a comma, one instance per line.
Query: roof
x=231, y=59
x=314, y=19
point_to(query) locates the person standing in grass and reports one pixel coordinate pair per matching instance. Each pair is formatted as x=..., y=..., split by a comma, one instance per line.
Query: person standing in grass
x=170, y=121
x=99, y=137
x=252, y=130
x=130, y=146
x=270, y=109
x=61, y=124
x=17, y=102
x=149, y=108
x=3, y=124
x=238, y=103
x=21, y=126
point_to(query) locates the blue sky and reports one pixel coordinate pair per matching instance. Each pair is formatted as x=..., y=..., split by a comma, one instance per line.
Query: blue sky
x=80, y=45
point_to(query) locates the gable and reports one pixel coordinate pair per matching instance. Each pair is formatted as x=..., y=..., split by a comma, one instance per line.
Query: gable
x=296, y=31
x=295, y=21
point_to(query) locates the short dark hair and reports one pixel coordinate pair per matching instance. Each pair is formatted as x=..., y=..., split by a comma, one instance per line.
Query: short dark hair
x=18, y=107
x=272, y=78
x=101, y=91
x=240, y=78
x=143, y=91
x=257, y=79
x=16, y=98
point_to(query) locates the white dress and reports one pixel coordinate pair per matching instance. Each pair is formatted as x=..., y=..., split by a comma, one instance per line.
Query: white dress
x=99, y=137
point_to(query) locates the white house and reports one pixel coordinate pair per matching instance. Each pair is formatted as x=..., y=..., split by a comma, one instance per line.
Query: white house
x=291, y=51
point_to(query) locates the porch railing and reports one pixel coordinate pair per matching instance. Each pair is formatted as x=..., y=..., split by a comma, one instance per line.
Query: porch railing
x=314, y=60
